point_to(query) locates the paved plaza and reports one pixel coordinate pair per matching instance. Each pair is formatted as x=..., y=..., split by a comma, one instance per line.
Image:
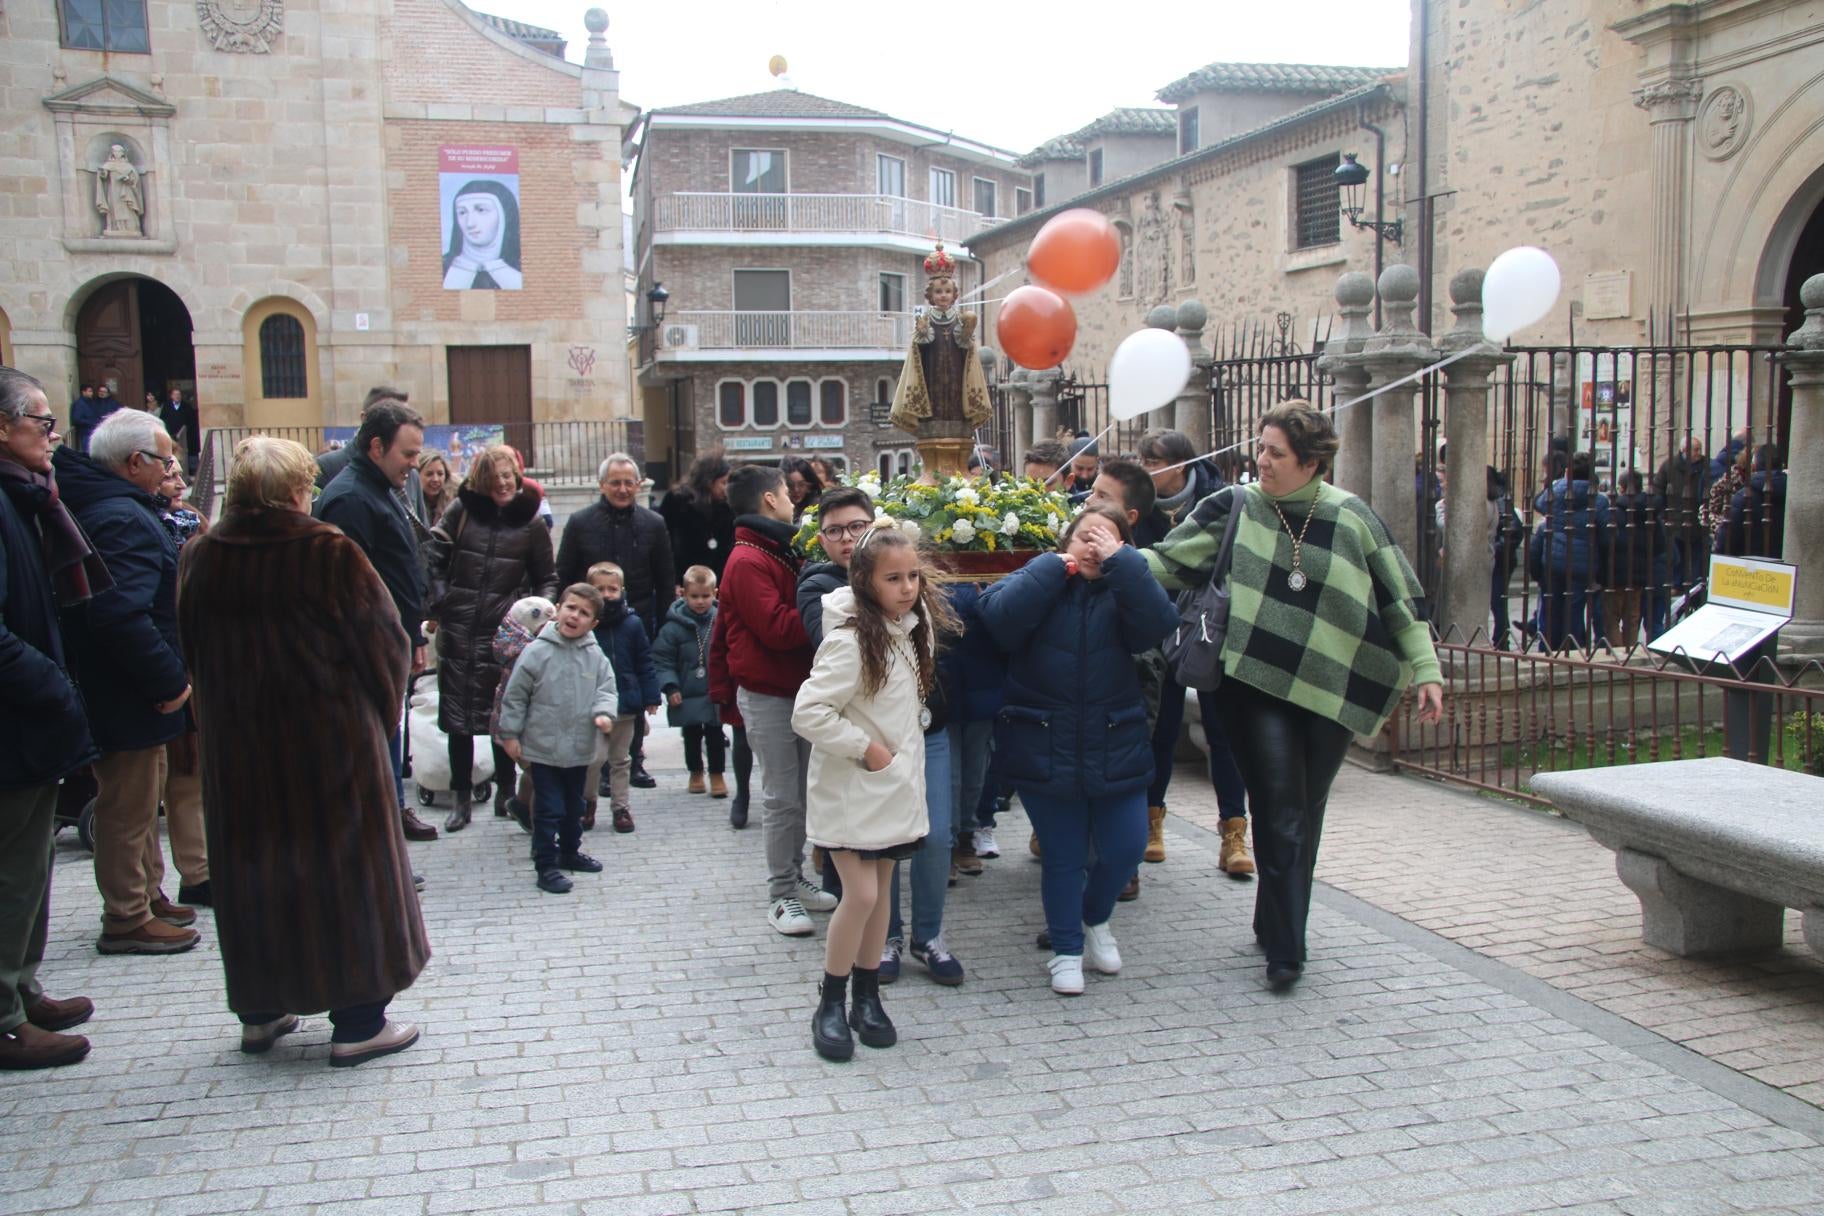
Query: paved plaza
x=1478, y=1033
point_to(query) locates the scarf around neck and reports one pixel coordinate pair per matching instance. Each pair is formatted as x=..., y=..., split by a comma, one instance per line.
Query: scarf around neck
x=77, y=572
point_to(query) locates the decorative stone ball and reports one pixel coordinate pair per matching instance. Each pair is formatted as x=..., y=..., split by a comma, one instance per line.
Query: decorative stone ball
x=1020, y=375
x=595, y=21
x=1355, y=290
x=1193, y=315
x=1399, y=282
x=1811, y=293
x=1163, y=317
x=1466, y=287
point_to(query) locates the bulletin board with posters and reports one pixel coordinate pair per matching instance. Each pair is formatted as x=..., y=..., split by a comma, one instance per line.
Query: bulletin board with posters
x=1605, y=414
x=478, y=198
x=458, y=445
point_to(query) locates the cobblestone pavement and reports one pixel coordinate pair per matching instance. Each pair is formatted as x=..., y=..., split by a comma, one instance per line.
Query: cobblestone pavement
x=642, y=1047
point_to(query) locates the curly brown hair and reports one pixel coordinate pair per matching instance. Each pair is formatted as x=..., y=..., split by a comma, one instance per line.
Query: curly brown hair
x=1309, y=432
x=935, y=619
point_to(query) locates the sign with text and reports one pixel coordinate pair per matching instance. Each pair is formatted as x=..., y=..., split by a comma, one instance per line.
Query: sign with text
x=1751, y=583
x=1749, y=599
x=478, y=193
x=748, y=443
x=823, y=441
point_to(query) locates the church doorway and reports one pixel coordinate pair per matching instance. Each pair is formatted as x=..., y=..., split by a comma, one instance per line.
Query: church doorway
x=1807, y=261
x=134, y=335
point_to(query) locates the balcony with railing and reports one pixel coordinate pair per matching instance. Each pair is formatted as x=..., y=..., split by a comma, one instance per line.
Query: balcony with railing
x=702, y=216
x=725, y=334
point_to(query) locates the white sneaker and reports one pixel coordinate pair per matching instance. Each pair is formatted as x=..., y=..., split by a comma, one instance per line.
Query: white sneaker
x=1099, y=949
x=1067, y=974
x=984, y=843
x=815, y=897
x=788, y=916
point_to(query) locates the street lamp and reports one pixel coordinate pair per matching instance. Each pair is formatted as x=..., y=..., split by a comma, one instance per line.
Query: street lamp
x=1351, y=179
x=655, y=301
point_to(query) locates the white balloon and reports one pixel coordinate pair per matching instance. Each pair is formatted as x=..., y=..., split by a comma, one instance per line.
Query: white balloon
x=1149, y=368
x=1519, y=290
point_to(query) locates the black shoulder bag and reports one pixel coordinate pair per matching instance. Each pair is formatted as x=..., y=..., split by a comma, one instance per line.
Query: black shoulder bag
x=1193, y=651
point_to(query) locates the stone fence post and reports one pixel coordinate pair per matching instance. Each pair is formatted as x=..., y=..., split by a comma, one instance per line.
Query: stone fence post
x=1191, y=410
x=1044, y=406
x=1804, y=526
x=1342, y=362
x=1396, y=351
x=1463, y=600
x=1019, y=404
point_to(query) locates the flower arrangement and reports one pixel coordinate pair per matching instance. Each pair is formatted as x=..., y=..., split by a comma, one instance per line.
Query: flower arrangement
x=959, y=515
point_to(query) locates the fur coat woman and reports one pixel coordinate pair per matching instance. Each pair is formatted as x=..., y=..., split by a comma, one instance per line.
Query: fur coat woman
x=298, y=665
x=483, y=558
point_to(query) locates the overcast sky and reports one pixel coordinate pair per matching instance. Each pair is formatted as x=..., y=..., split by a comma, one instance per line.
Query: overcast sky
x=1007, y=72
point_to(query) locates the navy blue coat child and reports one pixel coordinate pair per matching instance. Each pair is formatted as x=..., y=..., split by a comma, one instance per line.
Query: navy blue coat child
x=681, y=655
x=623, y=639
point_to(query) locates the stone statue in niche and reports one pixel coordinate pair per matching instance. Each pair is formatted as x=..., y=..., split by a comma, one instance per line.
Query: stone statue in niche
x=118, y=195
x=1154, y=259
x=245, y=27
x=1187, y=240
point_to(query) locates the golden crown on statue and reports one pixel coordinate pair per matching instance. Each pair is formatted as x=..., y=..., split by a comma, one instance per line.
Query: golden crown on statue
x=940, y=265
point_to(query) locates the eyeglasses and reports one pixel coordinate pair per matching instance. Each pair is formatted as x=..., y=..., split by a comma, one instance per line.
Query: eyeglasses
x=853, y=531
x=170, y=462
x=47, y=421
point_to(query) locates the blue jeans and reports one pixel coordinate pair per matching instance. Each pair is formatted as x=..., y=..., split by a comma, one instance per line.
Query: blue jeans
x=355, y=1024
x=970, y=744
x=1564, y=614
x=931, y=864
x=1075, y=890
x=994, y=788
x=557, y=813
x=1231, y=794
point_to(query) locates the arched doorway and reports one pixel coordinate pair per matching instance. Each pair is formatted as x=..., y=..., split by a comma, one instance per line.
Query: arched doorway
x=1807, y=260
x=134, y=335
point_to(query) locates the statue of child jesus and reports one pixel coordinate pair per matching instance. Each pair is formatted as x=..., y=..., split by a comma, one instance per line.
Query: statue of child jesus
x=942, y=393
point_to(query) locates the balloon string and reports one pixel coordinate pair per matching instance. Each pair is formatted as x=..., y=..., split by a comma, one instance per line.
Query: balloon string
x=1335, y=409
x=1005, y=274
x=1092, y=443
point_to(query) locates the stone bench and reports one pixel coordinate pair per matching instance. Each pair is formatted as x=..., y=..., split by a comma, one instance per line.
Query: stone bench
x=1715, y=849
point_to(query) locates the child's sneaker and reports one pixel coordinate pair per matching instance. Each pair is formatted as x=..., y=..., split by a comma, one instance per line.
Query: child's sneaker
x=579, y=863
x=985, y=845
x=815, y=897
x=697, y=784
x=889, y=960
x=939, y=961
x=623, y=819
x=553, y=882
x=789, y=917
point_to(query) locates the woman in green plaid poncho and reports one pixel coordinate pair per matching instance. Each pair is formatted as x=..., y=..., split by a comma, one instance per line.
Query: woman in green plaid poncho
x=1326, y=630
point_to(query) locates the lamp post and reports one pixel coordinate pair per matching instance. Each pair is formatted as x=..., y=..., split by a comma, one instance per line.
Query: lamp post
x=1351, y=179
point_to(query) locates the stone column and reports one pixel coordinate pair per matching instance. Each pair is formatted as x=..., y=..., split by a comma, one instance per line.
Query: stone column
x=1191, y=410
x=1670, y=105
x=1019, y=404
x=1398, y=350
x=1804, y=536
x=1463, y=598
x=1044, y=406
x=1341, y=361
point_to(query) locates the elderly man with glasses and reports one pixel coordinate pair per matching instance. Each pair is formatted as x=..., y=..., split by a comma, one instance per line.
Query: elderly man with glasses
x=123, y=647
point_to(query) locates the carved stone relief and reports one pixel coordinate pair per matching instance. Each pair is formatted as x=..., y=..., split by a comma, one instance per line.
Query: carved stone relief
x=1722, y=122
x=241, y=26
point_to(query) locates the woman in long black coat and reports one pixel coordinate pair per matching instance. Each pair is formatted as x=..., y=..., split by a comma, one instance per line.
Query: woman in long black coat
x=489, y=550
x=698, y=516
x=298, y=663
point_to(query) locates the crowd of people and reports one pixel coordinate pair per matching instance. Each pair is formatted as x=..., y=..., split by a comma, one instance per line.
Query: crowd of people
x=893, y=712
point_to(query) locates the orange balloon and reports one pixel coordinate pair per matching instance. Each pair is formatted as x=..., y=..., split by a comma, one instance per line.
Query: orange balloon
x=1036, y=327
x=1076, y=251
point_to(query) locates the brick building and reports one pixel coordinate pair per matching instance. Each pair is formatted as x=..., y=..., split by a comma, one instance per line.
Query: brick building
x=788, y=232
x=273, y=208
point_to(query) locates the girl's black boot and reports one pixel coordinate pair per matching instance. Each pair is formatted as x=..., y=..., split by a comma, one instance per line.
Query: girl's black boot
x=866, y=1014
x=829, y=1027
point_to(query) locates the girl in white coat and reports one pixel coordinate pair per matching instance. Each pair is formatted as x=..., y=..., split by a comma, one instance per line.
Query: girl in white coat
x=863, y=711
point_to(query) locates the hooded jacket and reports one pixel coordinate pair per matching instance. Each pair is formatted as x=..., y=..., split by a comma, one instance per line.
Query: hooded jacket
x=558, y=688
x=816, y=580
x=1575, y=527
x=768, y=652
x=622, y=638
x=123, y=644
x=680, y=656
x=846, y=806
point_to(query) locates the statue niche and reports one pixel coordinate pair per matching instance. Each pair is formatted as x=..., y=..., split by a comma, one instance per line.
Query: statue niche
x=120, y=196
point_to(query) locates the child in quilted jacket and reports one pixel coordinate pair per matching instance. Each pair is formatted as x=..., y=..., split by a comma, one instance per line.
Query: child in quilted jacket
x=681, y=656
x=517, y=629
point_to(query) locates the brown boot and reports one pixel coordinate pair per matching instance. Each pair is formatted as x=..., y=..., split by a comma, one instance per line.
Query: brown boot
x=1032, y=843
x=27, y=1046
x=1131, y=891
x=170, y=913
x=1155, y=833
x=696, y=785
x=415, y=828
x=718, y=788
x=153, y=937
x=1234, y=860
x=964, y=859
x=588, y=817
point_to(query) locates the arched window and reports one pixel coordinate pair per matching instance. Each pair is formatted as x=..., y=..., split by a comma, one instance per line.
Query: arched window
x=833, y=402
x=282, y=371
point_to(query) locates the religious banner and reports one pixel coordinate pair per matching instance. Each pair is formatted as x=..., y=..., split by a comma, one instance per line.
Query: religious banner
x=478, y=190
x=458, y=445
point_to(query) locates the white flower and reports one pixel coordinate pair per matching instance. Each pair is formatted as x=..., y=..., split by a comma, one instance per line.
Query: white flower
x=910, y=528
x=967, y=497
x=1011, y=525
x=880, y=516
x=1053, y=522
x=869, y=482
x=964, y=532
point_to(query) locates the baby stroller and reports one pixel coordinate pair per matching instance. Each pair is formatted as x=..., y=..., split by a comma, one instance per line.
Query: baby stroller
x=76, y=806
x=428, y=749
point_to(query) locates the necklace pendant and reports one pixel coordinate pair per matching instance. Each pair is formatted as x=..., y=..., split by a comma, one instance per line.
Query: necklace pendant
x=712, y=543
x=1296, y=580
x=924, y=717
x=700, y=673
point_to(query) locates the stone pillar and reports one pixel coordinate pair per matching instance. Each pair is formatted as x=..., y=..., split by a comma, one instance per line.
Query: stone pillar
x=1044, y=406
x=1670, y=105
x=1019, y=404
x=1463, y=597
x=1396, y=351
x=1341, y=361
x=1191, y=410
x=1804, y=536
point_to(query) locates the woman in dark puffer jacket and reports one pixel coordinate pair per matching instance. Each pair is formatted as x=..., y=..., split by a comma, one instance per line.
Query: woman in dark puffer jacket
x=489, y=550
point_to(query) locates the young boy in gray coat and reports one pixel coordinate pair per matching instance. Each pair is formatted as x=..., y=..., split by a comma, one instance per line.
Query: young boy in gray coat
x=559, y=704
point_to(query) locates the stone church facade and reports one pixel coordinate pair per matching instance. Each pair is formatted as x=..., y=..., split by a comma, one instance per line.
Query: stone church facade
x=274, y=205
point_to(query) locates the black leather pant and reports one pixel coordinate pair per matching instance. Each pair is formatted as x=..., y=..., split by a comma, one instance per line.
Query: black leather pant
x=1288, y=757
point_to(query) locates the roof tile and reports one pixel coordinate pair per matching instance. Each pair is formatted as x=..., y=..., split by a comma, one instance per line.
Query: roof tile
x=1272, y=78
x=774, y=103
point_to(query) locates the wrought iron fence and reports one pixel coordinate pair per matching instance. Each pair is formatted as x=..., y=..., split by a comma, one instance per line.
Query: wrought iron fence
x=557, y=454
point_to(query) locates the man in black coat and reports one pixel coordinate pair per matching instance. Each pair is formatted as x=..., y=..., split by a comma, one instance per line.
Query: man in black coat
x=364, y=502
x=41, y=718
x=329, y=464
x=181, y=423
x=619, y=530
x=124, y=650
